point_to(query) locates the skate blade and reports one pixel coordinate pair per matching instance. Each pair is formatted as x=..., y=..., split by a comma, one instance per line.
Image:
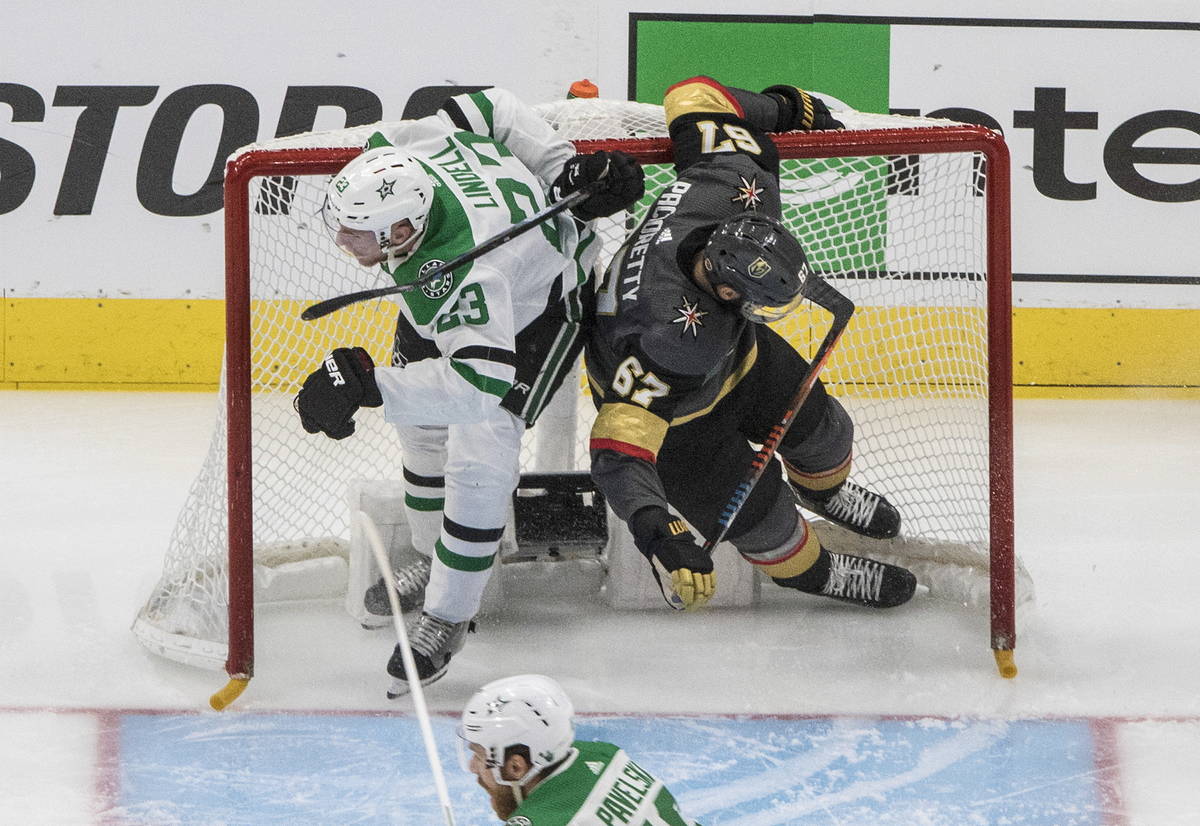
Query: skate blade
x=401, y=687
x=373, y=622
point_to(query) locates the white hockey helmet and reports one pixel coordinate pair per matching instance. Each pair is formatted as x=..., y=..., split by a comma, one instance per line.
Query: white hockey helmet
x=377, y=189
x=527, y=710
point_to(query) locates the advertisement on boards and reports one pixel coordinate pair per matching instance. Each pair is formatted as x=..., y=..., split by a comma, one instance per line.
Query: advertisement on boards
x=1105, y=147
x=114, y=125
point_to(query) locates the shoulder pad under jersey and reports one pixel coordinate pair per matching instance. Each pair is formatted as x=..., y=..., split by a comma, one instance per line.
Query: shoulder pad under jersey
x=685, y=331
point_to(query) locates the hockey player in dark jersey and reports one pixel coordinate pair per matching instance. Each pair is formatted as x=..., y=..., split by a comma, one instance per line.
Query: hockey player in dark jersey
x=686, y=376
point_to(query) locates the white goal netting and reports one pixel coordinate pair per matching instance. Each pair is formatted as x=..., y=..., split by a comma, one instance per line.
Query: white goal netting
x=903, y=234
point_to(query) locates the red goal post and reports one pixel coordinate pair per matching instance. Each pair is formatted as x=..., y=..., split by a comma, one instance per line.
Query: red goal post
x=909, y=217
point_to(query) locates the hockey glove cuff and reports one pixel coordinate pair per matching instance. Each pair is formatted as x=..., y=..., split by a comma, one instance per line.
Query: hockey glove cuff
x=624, y=183
x=332, y=394
x=662, y=537
x=800, y=110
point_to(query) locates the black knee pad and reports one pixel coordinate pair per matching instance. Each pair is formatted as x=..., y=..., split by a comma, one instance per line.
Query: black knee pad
x=824, y=443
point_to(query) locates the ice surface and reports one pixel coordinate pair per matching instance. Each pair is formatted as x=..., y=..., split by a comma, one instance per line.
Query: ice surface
x=796, y=711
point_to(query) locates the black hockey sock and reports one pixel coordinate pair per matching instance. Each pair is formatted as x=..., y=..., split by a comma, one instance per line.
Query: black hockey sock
x=821, y=496
x=812, y=580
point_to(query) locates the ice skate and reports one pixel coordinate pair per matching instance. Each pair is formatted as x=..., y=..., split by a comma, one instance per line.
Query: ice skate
x=857, y=580
x=867, y=582
x=434, y=641
x=854, y=508
x=411, y=580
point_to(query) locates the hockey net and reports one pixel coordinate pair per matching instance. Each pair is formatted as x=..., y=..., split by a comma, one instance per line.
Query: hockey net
x=907, y=217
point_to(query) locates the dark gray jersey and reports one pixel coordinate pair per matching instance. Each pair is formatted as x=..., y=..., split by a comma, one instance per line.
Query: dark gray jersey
x=650, y=308
x=663, y=351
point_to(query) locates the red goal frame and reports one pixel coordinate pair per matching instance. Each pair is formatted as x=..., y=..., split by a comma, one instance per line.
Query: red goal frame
x=887, y=142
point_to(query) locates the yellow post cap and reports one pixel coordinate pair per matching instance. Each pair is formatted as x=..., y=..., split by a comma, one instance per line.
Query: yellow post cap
x=232, y=690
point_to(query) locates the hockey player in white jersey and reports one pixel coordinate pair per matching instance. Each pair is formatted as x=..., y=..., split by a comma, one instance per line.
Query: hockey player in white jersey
x=479, y=351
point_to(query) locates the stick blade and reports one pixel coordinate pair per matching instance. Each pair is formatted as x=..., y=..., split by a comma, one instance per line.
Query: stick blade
x=332, y=305
x=316, y=311
x=824, y=295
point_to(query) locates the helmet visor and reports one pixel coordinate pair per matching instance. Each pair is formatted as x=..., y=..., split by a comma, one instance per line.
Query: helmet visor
x=764, y=313
x=465, y=755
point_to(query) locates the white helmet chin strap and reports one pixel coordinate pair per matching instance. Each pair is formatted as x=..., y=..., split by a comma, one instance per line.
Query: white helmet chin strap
x=518, y=785
x=393, y=260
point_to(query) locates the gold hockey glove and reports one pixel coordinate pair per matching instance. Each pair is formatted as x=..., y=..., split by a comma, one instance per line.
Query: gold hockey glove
x=663, y=538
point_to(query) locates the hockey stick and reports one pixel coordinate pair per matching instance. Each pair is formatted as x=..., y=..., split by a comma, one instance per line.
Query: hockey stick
x=410, y=667
x=330, y=305
x=825, y=296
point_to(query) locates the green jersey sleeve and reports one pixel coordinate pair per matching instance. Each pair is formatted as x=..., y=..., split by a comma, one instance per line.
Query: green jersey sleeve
x=599, y=785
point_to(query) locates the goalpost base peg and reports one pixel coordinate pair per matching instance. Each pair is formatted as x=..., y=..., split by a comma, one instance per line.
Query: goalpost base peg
x=232, y=690
x=1004, y=662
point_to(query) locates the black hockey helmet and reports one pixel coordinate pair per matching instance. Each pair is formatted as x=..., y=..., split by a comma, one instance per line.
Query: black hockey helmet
x=757, y=256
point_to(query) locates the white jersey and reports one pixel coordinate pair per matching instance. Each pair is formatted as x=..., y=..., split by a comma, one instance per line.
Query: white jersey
x=491, y=160
x=485, y=180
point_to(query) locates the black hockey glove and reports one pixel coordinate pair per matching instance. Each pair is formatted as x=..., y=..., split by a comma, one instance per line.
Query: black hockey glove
x=800, y=110
x=661, y=536
x=332, y=394
x=624, y=183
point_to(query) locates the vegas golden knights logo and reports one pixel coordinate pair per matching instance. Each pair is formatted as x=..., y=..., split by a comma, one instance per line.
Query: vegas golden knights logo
x=758, y=268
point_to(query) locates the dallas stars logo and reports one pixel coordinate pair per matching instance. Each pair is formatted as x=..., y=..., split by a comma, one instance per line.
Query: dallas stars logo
x=438, y=286
x=748, y=192
x=386, y=188
x=690, y=316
